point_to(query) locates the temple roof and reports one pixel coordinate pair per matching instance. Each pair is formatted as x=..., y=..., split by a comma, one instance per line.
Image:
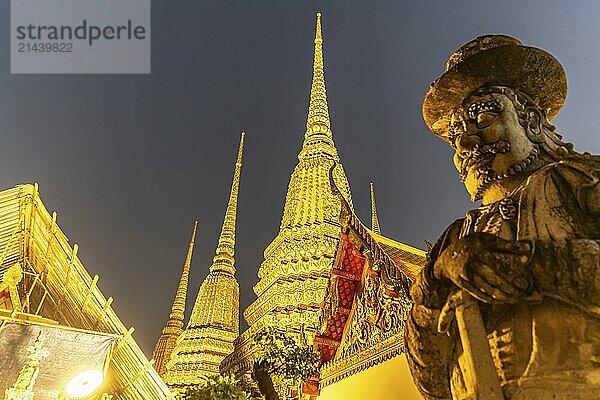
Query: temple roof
x=370, y=277
x=399, y=262
x=409, y=260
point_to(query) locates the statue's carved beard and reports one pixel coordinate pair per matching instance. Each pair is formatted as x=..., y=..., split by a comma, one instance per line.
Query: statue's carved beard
x=484, y=173
x=481, y=157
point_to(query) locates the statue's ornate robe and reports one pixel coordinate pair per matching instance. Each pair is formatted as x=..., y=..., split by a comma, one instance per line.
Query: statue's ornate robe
x=547, y=345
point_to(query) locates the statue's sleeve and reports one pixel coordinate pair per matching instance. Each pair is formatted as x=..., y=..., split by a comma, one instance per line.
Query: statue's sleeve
x=429, y=352
x=569, y=271
x=567, y=267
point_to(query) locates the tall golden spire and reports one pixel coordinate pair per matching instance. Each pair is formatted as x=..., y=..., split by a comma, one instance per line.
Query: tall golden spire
x=174, y=326
x=318, y=111
x=214, y=323
x=318, y=138
x=223, y=259
x=374, y=218
x=178, y=308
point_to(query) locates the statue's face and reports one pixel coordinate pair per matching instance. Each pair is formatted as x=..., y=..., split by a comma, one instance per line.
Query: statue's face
x=491, y=146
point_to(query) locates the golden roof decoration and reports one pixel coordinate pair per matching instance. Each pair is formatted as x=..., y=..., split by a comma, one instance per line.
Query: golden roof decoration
x=375, y=227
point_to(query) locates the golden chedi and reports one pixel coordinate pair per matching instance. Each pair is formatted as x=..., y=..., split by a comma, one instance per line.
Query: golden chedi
x=294, y=275
x=214, y=323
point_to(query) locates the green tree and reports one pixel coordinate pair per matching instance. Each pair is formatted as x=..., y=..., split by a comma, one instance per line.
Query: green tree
x=282, y=356
x=217, y=388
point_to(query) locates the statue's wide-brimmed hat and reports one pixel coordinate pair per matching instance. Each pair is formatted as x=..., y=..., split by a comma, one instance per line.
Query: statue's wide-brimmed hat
x=498, y=60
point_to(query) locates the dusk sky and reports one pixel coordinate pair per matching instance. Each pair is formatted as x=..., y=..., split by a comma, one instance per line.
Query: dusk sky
x=130, y=161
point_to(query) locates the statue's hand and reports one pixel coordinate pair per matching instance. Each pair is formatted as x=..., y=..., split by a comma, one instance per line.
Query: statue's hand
x=429, y=292
x=489, y=268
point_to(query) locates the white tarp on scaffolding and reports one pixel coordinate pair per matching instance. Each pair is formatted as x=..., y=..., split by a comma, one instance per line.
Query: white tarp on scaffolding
x=67, y=353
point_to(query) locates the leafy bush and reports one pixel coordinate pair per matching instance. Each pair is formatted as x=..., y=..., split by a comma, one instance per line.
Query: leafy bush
x=283, y=358
x=217, y=388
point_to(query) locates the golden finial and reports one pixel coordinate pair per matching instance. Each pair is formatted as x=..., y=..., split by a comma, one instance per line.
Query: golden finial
x=318, y=35
x=374, y=218
x=178, y=309
x=318, y=111
x=223, y=259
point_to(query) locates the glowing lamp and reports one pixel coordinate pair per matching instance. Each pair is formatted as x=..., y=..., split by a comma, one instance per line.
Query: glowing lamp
x=83, y=385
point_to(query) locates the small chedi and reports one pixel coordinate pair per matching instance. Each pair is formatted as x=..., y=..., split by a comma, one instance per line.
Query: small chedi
x=507, y=305
x=196, y=352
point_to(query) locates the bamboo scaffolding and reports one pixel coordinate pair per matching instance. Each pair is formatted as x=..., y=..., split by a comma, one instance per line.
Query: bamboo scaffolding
x=63, y=290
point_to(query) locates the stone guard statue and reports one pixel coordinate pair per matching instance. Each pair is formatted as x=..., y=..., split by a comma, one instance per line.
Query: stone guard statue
x=528, y=258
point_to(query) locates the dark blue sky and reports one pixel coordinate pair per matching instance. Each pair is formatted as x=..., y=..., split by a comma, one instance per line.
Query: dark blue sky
x=129, y=161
